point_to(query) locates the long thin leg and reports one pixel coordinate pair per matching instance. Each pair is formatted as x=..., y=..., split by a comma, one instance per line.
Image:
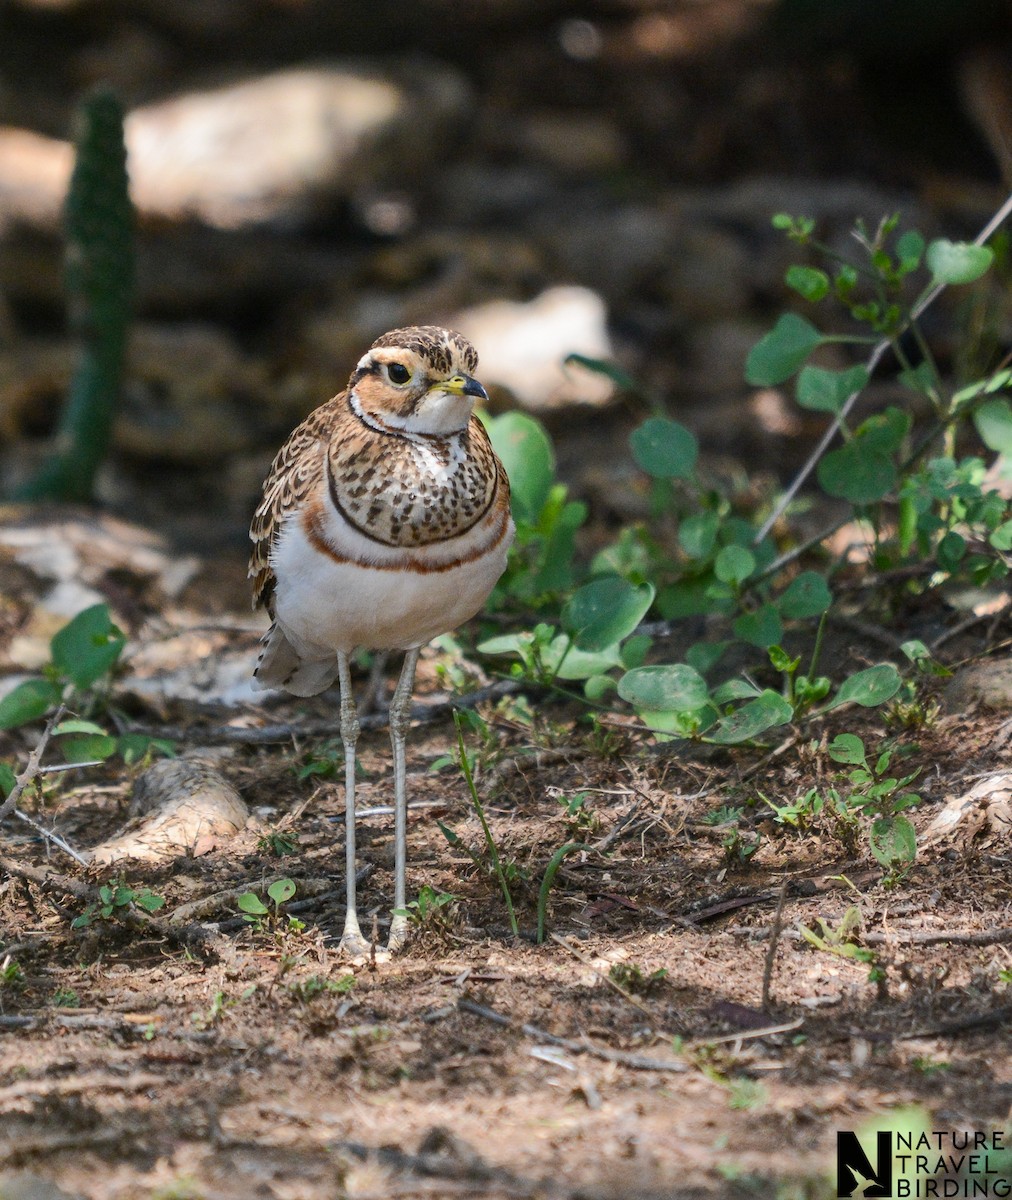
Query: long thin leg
x=352, y=941
x=400, y=718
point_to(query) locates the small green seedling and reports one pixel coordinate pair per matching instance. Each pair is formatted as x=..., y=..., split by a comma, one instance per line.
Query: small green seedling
x=313, y=986
x=116, y=900
x=279, y=843
x=431, y=910
x=632, y=978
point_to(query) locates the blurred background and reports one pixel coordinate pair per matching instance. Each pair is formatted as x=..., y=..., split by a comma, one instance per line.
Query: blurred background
x=548, y=176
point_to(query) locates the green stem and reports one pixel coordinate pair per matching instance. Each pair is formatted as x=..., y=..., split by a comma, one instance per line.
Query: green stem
x=493, y=851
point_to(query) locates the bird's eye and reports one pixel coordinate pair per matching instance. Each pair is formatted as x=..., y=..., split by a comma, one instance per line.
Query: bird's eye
x=398, y=373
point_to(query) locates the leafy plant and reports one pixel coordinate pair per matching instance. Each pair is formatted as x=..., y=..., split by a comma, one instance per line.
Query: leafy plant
x=279, y=843
x=279, y=892
x=430, y=910
x=633, y=978
x=11, y=974
x=541, y=563
x=115, y=900
x=875, y=793
x=841, y=940
x=502, y=871
x=83, y=657
x=315, y=985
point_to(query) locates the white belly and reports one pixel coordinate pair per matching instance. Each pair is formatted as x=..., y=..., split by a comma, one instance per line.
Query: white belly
x=328, y=605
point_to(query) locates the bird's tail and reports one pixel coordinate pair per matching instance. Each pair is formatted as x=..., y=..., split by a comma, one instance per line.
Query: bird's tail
x=281, y=665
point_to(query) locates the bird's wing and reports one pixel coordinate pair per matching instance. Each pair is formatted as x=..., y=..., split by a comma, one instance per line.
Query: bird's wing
x=297, y=469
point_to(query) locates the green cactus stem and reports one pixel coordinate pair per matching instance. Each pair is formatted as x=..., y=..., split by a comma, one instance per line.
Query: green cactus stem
x=99, y=272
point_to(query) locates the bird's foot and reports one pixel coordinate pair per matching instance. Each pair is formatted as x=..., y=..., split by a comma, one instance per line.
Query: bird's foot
x=353, y=945
x=398, y=934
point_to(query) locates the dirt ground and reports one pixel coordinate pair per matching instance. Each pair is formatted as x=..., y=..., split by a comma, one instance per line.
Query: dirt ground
x=216, y=1060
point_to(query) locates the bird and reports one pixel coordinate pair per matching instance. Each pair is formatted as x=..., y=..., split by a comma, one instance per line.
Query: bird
x=385, y=521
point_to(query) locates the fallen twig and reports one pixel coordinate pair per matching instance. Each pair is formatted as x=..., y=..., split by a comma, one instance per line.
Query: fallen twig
x=771, y=951
x=31, y=771
x=636, y=1062
x=51, y=836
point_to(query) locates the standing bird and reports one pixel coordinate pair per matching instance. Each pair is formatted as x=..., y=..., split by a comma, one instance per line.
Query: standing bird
x=385, y=521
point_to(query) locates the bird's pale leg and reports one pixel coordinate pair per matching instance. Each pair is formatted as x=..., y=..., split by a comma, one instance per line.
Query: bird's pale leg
x=352, y=941
x=400, y=718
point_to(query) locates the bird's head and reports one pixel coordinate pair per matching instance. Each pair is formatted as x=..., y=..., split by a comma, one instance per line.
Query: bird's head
x=418, y=380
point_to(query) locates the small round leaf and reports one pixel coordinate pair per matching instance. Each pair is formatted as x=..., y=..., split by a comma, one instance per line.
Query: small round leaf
x=957, y=262
x=605, y=611
x=672, y=687
x=782, y=351
x=664, y=448
x=869, y=688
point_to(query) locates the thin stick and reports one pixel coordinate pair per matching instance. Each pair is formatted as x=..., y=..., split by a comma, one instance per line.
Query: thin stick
x=771, y=950
x=873, y=361
x=584, y=1046
x=31, y=771
x=50, y=836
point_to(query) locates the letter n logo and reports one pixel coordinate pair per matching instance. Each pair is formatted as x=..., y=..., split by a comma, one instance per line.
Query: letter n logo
x=853, y=1167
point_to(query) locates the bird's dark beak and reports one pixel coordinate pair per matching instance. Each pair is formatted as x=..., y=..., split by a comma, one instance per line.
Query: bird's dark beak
x=462, y=385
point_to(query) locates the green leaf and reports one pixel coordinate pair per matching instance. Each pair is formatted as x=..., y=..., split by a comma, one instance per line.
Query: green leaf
x=827, y=391
x=909, y=250
x=869, y=688
x=809, y=282
x=634, y=651
x=920, y=379
x=957, y=262
x=7, y=779
x=782, y=351
x=760, y=628
x=149, y=901
x=605, y=611
x=672, y=687
x=994, y=424
x=281, y=890
x=697, y=535
x=950, y=552
x=526, y=452
x=250, y=902
x=75, y=725
x=27, y=702
x=855, y=473
x=664, y=448
x=601, y=366
x=846, y=748
x=705, y=655
x=893, y=840
x=734, y=564
x=735, y=689
x=87, y=648
x=582, y=664
x=766, y=711
x=88, y=747
x=807, y=595
x=1001, y=538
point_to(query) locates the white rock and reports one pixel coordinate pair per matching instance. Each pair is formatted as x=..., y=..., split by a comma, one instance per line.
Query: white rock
x=523, y=347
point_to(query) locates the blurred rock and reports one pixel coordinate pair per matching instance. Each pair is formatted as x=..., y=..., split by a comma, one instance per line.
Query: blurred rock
x=80, y=559
x=26, y=1186
x=34, y=173
x=277, y=150
x=523, y=347
x=574, y=142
